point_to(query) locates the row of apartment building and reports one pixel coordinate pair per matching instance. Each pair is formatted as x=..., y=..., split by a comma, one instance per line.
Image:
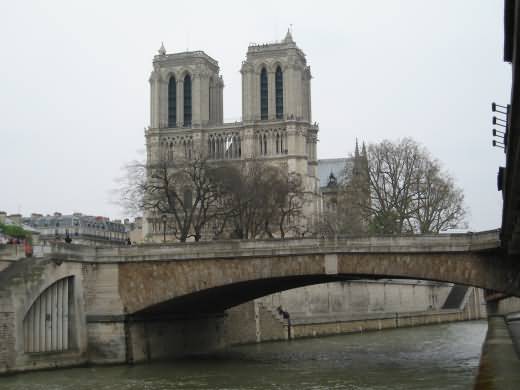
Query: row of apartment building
x=77, y=227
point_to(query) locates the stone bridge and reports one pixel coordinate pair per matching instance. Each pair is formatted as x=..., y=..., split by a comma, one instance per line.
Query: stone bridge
x=72, y=305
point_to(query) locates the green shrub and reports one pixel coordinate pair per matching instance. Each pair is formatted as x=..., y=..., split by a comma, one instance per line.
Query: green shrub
x=14, y=231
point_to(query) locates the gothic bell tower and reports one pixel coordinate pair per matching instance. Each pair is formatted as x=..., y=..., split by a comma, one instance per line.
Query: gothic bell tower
x=276, y=82
x=186, y=90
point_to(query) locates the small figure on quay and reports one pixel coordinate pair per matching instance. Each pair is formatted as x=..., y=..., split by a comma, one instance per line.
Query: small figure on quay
x=286, y=316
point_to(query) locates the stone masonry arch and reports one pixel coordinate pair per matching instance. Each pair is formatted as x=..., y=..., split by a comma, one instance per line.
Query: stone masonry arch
x=154, y=284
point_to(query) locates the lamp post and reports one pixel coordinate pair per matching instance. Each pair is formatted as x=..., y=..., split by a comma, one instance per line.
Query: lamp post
x=164, y=219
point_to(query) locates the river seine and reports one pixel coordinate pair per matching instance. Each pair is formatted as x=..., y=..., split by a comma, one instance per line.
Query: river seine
x=431, y=357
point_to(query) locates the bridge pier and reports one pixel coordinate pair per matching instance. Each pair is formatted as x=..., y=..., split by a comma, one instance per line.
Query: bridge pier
x=500, y=359
x=164, y=336
x=106, y=340
x=133, y=340
x=508, y=309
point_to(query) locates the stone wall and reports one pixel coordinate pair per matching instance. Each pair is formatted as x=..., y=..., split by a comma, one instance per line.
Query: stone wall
x=354, y=298
x=165, y=338
x=271, y=325
x=106, y=342
x=319, y=315
x=7, y=335
x=379, y=322
x=473, y=310
x=499, y=362
x=242, y=324
x=508, y=310
x=170, y=338
x=20, y=285
x=105, y=314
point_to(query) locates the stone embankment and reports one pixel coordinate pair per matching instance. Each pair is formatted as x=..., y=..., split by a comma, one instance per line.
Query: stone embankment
x=500, y=362
x=314, y=325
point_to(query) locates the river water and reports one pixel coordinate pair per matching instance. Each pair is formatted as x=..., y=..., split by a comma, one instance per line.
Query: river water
x=430, y=357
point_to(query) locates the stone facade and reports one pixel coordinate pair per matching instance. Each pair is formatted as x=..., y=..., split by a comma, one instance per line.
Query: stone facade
x=345, y=193
x=187, y=120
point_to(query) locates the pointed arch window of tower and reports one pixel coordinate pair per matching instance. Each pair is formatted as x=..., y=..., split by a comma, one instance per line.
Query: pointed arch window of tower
x=263, y=94
x=187, y=101
x=172, y=102
x=279, y=93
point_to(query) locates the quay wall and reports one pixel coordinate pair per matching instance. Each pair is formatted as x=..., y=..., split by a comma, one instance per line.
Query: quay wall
x=314, y=320
x=500, y=359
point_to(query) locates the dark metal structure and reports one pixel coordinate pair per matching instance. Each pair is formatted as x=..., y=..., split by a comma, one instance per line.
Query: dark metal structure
x=509, y=178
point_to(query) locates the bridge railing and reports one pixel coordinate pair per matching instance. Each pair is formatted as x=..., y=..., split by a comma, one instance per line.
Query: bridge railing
x=429, y=243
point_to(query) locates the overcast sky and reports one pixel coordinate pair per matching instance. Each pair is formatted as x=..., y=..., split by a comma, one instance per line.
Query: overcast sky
x=74, y=92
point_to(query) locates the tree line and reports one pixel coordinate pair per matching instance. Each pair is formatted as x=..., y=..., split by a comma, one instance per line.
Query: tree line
x=246, y=200
x=395, y=188
x=399, y=188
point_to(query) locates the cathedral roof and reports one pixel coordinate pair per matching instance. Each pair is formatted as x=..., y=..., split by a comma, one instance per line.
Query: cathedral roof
x=181, y=57
x=285, y=44
x=339, y=167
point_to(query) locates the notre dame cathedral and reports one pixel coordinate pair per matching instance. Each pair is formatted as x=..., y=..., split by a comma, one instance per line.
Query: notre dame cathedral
x=276, y=126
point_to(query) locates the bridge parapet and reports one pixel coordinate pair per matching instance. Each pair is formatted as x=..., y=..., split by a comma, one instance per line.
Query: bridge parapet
x=428, y=243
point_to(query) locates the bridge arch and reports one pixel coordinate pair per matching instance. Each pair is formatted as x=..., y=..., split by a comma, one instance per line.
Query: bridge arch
x=224, y=281
x=217, y=299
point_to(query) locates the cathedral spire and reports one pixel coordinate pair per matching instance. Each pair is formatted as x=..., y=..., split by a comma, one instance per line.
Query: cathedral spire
x=162, y=50
x=288, y=37
x=364, y=150
x=356, y=153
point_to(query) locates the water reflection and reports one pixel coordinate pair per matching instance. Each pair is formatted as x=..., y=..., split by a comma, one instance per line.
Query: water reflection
x=432, y=357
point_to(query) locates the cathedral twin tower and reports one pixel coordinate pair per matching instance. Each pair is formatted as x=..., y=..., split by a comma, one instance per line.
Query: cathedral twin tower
x=186, y=88
x=187, y=111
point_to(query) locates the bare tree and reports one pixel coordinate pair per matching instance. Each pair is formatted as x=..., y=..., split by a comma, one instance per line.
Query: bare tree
x=261, y=200
x=439, y=204
x=409, y=192
x=186, y=193
x=246, y=200
x=289, y=201
x=130, y=188
x=251, y=199
x=392, y=170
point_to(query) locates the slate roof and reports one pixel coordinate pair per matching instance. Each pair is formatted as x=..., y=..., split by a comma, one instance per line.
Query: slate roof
x=338, y=166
